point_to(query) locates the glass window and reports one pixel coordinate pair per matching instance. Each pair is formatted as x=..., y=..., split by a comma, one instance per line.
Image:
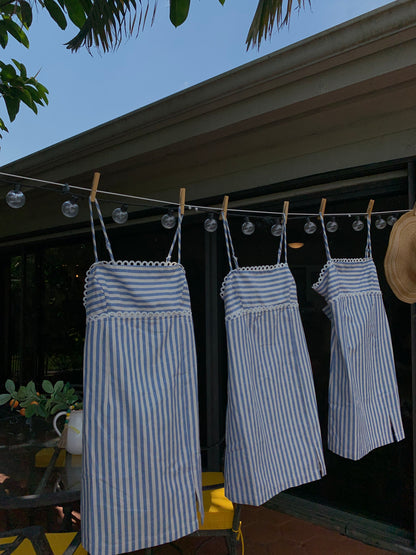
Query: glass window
x=380, y=485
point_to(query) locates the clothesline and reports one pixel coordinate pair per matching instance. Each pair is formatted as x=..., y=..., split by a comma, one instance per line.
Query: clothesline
x=66, y=188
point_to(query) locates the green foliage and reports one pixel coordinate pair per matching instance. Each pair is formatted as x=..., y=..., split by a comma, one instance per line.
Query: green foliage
x=29, y=402
x=55, y=12
x=17, y=87
x=179, y=11
x=103, y=24
x=106, y=22
x=270, y=13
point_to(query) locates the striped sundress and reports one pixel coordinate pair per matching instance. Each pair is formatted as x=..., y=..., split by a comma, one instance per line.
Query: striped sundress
x=141, y=451
x=273, y=438
x=364, y=406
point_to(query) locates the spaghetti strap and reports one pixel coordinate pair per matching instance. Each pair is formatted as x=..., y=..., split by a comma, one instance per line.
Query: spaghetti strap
x=229, y=244
x=94, y=241
x=176, y=237
x=328, y=254
x=368, y=250
x=283, y=241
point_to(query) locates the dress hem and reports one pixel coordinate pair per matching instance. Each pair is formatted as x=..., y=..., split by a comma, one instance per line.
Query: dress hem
x=317, y=474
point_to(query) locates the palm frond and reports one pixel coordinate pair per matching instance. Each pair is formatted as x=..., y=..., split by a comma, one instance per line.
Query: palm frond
x=268, y=14
x=109, y=21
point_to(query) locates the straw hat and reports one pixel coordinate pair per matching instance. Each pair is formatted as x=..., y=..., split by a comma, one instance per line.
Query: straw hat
x=400, y=260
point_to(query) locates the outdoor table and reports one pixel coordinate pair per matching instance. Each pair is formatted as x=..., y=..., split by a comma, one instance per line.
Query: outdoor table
x=37, y=473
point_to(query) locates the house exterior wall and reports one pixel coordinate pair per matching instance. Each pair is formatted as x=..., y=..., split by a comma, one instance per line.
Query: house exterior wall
x=340, y=99
x=334, y=113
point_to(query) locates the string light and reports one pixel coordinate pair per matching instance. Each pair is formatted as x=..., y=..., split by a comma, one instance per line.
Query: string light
x=210, y=223
x=309, y=227
x=248, y=227
x=120, y=215
x=332, y=225
x=276, y=229
x=17, y=201
x=392, y=219
x=15, y=198
x=70, y=208
x=358, y=224
x=168, y=220
x=380, y=223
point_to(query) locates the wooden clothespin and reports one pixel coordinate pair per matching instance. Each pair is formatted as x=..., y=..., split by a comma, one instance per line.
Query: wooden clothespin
x=370, y=208
x=94, y=186
x=224, y=207
x=182, y=192
x=286, y=209
x=322, y=207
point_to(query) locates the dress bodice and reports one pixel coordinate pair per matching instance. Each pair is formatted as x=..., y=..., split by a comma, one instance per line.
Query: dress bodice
x=347, y=276
x=258, y=287
x=135, y=287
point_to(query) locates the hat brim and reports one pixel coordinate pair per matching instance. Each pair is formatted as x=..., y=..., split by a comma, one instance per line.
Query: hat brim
x=400, y=259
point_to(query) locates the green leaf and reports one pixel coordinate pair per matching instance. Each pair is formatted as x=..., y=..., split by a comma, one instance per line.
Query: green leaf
x=3, y=126
x=26, y=13
x=58, y=407
x=58, y=386
x=8, y=72
x=31, y=388
x=10, y=387
x=12, y=105
x=76, y=12
x=222, y=2
x=20, y=67
x=16, y=32
x=47, y=386
x=22, y=391
x=30, y=411
x=4, y=37
x=56, y=13
x=5, y=398
x=41, y=411
x=179, y=11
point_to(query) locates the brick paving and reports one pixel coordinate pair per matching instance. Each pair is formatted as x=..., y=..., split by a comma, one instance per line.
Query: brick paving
x=265, y=532
x=269, y=532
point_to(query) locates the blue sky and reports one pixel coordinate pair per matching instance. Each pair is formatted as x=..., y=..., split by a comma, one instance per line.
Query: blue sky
x=86, y=90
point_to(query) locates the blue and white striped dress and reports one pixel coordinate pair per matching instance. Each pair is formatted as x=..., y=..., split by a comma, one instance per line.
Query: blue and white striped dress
x=364, y=406
x=141, y=451
x=273, y=438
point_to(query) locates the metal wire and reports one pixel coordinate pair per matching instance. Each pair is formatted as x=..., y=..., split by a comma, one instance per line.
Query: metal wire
x=235, y=211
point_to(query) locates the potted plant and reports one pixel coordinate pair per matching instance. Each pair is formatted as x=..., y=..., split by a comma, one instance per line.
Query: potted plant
x=29, y=402
x=40, y=406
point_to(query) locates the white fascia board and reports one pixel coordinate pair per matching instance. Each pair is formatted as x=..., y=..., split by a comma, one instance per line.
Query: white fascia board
x=357, y=51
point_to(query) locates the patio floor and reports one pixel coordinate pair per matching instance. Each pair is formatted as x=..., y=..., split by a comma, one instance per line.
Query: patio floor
x=265, y=532
x=269, y=532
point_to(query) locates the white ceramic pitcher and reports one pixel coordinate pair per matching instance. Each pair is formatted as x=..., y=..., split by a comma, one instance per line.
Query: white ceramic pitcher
x=74, y=433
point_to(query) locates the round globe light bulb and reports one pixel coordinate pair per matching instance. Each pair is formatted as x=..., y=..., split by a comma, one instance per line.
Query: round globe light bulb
x=120, y=215
x=276, y=229
x=168, y=221
x=358, y=224
x=392, y=219
x=210, y=224
x=248, y=227
x=15, y=198
x=380, y=223
x=332, y=226
x=70, y=209
x=309, y=227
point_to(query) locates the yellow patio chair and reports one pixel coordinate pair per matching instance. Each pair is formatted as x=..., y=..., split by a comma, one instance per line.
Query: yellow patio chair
x=33, y=541
x=222, y=517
